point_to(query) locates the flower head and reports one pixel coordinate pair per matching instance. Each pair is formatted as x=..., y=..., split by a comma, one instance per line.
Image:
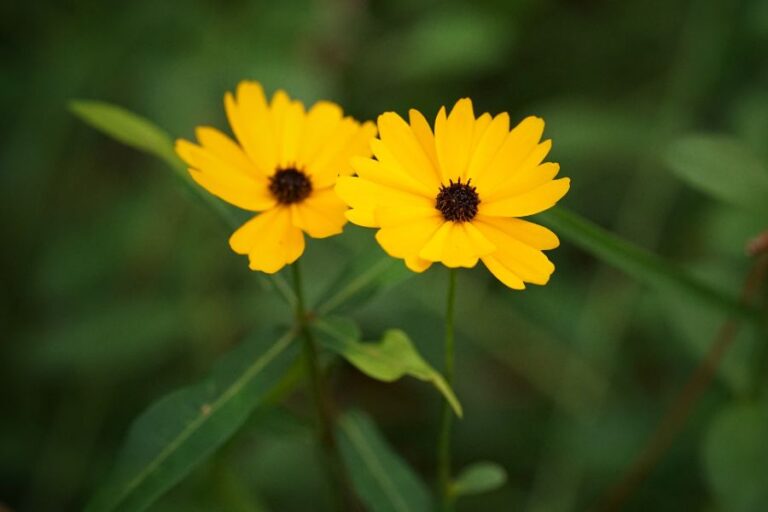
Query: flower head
x=455, y=196
x=284, y=164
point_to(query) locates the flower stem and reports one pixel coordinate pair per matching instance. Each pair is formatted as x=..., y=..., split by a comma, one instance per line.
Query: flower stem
x=444, y=442
x=322, y=400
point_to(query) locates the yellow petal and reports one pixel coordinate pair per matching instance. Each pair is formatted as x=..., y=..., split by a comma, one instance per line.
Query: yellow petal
x=518, y=144
x=293, y=131
x=321, y=123
x=292, y=246
x=479, y=242
x=503, y=274
x=269, y=240
x=531, y=202
x=423, y=133
x=530, y=264
x=227, y=151
x=417, y=264
x=407, y=240
x=380, y=179
x=397, y=214
x=406, y=151
x=530, y=173
x=451, y=246
x=321, y=214
x=528, y=233
x=488, y=146
x=363, y=193
x=223, y=180
x=250, y=120
x=349, y=140
x=241, y=192
x=453, y=139
x=393, y=173
x=362, y=217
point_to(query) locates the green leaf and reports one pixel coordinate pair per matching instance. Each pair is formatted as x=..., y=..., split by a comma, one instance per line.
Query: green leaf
x=367, y=275
x=127, y=128
x=736, y=457
x=478, y=478
x=140, y=133
x=382, y=480
x=639, y=263
x=389, y=360
x=722, y=167
x=180, y=430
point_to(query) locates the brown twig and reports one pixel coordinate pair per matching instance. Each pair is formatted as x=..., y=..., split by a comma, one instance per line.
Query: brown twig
x=676, y=416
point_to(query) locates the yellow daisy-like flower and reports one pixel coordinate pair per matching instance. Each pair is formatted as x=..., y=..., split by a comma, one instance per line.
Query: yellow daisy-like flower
x=454, y=196
x=284, y=164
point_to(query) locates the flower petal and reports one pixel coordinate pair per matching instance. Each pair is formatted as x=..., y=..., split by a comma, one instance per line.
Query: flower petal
x=249, y=117
x=241, y=192
x=333, y=160
x=423, y=133
x=270, y=240
x=417, y=264
x=321, y=123
x=453, y=139
x=405, y=150
x=406, y=240
x=488, y=145
x=321, y=214
x=227, y=151
x=502, y=273
x=452, y=246
x=518, y=144
x=530, y=264
x=528, y=203
x=529, y=233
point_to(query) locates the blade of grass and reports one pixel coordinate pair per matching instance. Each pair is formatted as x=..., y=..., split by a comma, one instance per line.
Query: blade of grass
x=639, y=263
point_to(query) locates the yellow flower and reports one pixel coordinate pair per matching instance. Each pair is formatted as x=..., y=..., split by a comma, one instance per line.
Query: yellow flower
x=455, y=196
x=284, y=165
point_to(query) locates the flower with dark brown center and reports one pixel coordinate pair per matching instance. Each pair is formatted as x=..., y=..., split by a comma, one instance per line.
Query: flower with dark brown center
x=290, y=186
x=457, y=201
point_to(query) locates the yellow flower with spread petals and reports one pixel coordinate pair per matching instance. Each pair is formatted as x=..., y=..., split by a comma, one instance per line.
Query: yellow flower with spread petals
x=284, y=164
x=455, y=196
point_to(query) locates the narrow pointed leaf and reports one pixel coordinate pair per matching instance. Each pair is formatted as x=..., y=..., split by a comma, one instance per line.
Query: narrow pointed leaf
x=382, y=480
x=722, y=167
x=639, y=263
x=181, y=430
x=140, y=133
x=479, y=478
x=126, y=127
x=388, y=360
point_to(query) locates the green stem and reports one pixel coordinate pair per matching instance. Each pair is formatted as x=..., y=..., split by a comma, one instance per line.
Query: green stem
x=444, y=442
x=321, y=398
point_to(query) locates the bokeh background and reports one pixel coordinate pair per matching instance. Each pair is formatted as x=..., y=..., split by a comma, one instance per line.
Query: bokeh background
x=118, y=287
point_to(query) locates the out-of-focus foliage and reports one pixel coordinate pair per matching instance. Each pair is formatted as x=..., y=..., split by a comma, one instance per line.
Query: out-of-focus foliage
x=119, y=288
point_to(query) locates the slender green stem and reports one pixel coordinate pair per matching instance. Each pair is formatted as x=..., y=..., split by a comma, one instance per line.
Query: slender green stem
x=444, y=442
x=321, y=398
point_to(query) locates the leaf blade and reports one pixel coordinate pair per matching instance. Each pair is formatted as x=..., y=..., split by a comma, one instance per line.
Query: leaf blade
x=637, y=262
x=478, y=478
x=389, y=360
x=721, y=167
x=381, y=478
x=181, y=429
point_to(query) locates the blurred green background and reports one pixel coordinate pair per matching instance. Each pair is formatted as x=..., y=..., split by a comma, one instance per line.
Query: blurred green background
x=118, y=287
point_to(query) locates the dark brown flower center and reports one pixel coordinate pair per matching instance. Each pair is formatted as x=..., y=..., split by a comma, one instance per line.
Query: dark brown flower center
x=457, y=201
x=290, y=186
